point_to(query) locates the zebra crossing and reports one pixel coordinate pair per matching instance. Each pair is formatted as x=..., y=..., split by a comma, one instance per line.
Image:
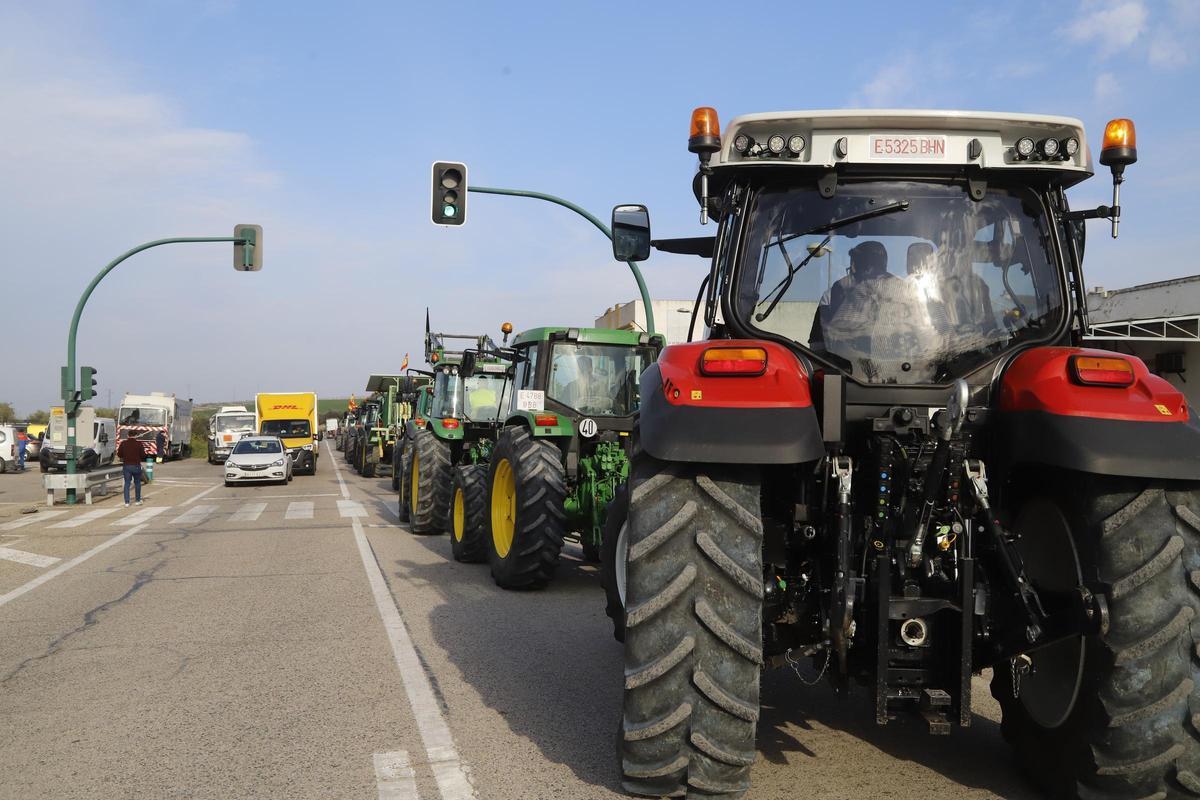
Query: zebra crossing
x=247, y=511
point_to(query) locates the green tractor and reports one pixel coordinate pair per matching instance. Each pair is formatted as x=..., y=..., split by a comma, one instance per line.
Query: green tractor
x=560, y=455
x=383, y=416
x=453, y=422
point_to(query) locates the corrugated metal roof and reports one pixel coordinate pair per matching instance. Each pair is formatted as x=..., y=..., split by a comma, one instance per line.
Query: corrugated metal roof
x=1179, y=297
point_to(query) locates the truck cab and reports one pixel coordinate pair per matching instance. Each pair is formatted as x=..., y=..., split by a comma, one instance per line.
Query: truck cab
x=225, y=429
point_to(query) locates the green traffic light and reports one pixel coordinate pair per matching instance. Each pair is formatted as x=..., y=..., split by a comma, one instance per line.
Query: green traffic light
x=449, y=211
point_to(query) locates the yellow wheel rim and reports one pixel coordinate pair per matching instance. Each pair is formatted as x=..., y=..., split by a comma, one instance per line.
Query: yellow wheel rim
x=415, y=483
x=504, y=507
x=459, y=515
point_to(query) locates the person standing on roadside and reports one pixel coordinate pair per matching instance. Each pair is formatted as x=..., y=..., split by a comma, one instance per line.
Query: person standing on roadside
x=160, y=441
x=22, y=443
x=131, y=454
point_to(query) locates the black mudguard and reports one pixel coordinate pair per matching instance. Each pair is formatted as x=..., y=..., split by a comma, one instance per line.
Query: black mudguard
x=725, y=435
x=1164, y=450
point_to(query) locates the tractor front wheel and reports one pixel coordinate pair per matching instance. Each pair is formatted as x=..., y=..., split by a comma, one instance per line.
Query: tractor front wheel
x=526, y=489
x=693, y=635
x=468, y=513
x=1130, y=731
x=369, y=462
x=429, y=483
x=405, y=483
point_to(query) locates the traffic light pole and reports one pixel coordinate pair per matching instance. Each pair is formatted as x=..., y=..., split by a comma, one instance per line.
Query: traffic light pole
x=70, y=403
x=637, y=273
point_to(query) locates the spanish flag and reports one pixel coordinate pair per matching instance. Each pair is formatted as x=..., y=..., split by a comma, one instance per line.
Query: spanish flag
x=353, y=406
x=404, y=363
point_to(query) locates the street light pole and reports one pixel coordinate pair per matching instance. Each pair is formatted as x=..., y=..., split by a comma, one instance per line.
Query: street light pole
x=71, y=398
x=637, y=273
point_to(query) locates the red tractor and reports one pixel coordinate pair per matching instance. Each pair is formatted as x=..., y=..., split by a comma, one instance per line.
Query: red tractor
x=894, y=461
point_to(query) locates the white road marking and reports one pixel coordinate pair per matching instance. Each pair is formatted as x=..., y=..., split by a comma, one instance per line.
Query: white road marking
x=32, y=559
x=268, y=497
x=351, y=508
x=207, y=491
x=193, y=515
x=138, y=517
x=29, y=519
x=337, y=471
x=84, y=519
x=248, y=512
x=449, y=770
x=299, y=510
x=61, y=568
x=396, y=779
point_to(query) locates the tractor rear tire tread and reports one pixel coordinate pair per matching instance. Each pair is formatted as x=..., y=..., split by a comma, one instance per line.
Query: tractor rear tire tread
x=403, y=512
x=472, y=480
x=540, y=525
x=614, y=519
x=1132, y=732
x=433, y=492
x=693, y=641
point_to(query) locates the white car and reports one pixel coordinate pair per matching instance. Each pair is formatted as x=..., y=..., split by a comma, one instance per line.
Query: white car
x=257, y=459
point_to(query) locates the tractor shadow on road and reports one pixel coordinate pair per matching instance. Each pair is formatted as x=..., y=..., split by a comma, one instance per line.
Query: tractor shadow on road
x=545, y=660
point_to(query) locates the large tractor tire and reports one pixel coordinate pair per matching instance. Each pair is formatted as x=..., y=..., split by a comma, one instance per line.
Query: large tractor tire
x=397, y=452
x=693, y=636
x=468, y=513
x=405, y=512
x=429, y=483
x=370, y=461
x=614, y=553
x=1132, y=730
x=526, y=488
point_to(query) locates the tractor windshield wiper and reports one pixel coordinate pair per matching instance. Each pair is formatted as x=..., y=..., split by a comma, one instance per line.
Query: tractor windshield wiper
x=828, y=228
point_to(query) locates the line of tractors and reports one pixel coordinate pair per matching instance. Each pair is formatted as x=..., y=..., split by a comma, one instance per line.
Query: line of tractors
x=512, y=449
x=893, y=460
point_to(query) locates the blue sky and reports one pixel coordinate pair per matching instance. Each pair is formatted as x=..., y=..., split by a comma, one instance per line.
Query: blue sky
x=129, y=121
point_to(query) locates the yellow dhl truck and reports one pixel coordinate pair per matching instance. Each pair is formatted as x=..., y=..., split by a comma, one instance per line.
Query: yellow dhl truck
x=292, y=416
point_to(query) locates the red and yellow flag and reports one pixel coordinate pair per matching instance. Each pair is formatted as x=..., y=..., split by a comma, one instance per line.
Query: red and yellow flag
x=352, y=405
x=404, y=363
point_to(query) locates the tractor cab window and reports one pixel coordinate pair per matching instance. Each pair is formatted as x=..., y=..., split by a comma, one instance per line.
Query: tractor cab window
x=482, y=396
x=598, y=379
x=900, y=282
x=447, y=399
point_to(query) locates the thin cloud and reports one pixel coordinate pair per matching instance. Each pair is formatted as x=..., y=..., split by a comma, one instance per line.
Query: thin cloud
x=1112, y=26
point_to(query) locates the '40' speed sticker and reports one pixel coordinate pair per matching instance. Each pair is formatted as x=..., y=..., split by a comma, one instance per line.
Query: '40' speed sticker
x=587, y=427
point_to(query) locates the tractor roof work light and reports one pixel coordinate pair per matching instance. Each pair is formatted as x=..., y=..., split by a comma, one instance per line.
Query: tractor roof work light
x=704, y=139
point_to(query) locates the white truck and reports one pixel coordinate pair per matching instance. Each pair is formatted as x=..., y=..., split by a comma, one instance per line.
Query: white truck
x=331, y=428
x=155, y=416
x=95, y=437
x=225, y=429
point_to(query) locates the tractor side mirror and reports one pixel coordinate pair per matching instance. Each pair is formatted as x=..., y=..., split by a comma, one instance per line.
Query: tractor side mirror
x=631, y=233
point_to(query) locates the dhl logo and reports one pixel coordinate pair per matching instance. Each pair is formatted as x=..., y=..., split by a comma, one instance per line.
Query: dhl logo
x=285, y=408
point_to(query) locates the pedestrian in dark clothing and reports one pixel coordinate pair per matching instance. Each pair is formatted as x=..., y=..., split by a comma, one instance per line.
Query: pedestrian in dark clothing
x=131, y=454
x=159, y=442
x=22, y=443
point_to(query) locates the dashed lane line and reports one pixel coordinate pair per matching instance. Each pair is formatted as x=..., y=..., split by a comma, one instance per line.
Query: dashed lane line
x=32, y=559
x=449, y=770
x=84, y=519
x=66, y=565
x=248, y=512
x=299, y=510
x=29, y=519
x=395, y=777
x=194, y=515
x=138, y=517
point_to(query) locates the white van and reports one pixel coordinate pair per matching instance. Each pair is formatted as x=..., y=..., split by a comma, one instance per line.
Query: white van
x=95, y=436
x=8, y=447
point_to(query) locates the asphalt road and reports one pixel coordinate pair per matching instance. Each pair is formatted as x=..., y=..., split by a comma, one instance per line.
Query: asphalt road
x=294, y=641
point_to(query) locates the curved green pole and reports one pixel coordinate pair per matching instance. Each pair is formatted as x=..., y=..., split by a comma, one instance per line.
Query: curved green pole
x=637, y=273
x=69, y=375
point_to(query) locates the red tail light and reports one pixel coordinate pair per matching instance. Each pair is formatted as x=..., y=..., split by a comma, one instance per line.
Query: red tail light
x=420, y=423
x=449, y=422
x=733, y=361
x=1102, y=371
x=546, y=420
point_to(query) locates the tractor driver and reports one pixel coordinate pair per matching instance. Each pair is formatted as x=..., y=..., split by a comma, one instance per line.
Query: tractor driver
x=868, y=265
x=588, y=388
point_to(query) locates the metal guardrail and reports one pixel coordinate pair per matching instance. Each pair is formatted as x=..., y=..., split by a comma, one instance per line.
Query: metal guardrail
x=86, y=482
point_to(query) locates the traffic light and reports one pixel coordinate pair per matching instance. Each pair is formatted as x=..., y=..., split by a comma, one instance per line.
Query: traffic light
x=247, y=251
x=87, y=383
x=449, y=193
